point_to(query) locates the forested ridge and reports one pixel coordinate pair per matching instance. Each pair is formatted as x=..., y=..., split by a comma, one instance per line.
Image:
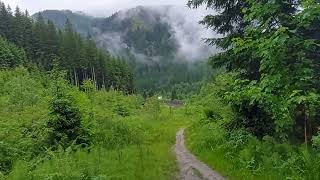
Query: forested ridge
x=46, y=46
x=69, y=110
x=80, y=21
x=147, y=38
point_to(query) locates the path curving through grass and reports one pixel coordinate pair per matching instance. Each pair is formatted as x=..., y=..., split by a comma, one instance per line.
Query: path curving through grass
x=190, y=167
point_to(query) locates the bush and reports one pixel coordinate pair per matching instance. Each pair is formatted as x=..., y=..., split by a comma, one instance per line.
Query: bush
x=7, y=156
x=316, y=143
x=212, y=115
x=65, y=123
x=244, y=151
x=121, y=110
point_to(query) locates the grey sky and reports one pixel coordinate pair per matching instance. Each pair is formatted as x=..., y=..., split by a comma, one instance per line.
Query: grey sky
x=98, y=7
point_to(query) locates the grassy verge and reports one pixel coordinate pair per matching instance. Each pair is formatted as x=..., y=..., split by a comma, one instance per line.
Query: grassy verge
x=120, y=136
x=214, y=158
x=239, y=155
x=150, y=158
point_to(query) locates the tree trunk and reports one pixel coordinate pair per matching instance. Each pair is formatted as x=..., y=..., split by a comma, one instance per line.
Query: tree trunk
x=103, y=82
x=94, y=78
x=75, y=77
x=305, y=126
x=71, y=76
x=83, y=75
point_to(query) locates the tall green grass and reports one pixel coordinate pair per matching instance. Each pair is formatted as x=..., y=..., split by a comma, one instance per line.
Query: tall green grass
x=239, y=155
x=129, y=138
x=138, y=146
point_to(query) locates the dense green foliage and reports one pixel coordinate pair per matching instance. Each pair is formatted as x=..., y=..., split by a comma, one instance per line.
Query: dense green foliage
x=173, y=76
x=273, y=57
x=258, y=114
x=11, y=56
x=65, y=122
x=237, y=153
x=56, y=124
x=46, y=47
x=50, y=129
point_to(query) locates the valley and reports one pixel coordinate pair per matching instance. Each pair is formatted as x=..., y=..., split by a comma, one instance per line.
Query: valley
x=158, y=43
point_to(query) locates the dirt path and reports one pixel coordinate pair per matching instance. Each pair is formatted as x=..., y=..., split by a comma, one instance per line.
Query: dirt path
x=190, y=167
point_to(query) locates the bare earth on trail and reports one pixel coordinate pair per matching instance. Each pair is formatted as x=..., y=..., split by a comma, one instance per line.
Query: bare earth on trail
x=190, y=167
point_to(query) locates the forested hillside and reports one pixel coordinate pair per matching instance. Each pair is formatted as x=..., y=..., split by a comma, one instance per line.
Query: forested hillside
x=80, y=21
x=147, y=37
x=44, y=46
x=142, y=31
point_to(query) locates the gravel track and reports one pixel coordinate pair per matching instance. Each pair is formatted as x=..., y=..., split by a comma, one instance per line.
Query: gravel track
x=190, y=167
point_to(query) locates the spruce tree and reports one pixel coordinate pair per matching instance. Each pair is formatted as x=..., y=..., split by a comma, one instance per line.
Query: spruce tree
x=44, y=43
x=65, y=126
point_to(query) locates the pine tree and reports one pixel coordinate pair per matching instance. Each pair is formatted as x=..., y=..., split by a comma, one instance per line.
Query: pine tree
x=10, y=55
x=5, y=22
x=44, y=44
x=264, y=41
x=27, y=27
x=65, y=123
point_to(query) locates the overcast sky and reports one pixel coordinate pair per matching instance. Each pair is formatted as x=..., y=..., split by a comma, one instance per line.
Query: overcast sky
x=98, y=7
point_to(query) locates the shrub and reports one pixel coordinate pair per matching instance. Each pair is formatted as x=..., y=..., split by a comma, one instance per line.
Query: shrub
x=65, y=123
x=316, y=143
x=212, y=115
x=121, y=110
x=7, y=157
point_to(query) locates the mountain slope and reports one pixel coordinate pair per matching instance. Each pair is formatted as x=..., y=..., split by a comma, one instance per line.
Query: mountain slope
x=80, y=21
x=161, y=43
x=141, y=31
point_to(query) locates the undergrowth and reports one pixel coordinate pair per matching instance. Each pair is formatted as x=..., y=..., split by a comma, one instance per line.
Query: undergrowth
x=126, y=138
x=236, y=153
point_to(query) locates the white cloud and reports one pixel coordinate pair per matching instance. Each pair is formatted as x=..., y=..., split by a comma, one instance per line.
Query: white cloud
x=189, y=34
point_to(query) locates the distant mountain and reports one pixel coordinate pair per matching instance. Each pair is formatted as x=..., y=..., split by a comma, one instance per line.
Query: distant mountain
x=81, y=21
x=161, y=43
x=140, y=30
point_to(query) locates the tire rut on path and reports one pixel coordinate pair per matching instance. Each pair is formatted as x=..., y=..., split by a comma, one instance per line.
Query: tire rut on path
x=190, y=167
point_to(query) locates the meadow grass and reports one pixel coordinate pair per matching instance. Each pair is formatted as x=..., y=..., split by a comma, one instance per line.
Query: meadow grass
x=254, y=159
x=151, y=157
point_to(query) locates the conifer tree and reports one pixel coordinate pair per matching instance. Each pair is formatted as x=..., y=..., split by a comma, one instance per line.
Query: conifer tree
x=81, y=58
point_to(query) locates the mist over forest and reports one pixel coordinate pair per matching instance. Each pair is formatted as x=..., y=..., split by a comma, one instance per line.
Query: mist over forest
x=158, y=41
